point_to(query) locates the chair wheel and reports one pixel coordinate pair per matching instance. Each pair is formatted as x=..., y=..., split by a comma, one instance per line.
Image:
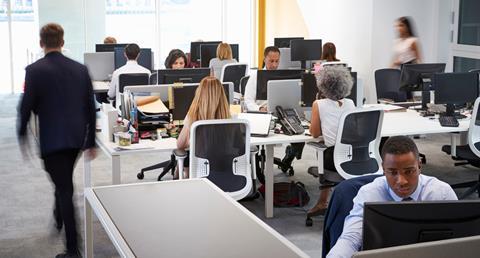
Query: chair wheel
x=308, y=222
x=291, y=172
x=140, y=175
x=159, y=178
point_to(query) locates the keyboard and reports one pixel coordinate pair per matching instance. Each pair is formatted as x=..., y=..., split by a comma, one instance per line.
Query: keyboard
x=448, y=121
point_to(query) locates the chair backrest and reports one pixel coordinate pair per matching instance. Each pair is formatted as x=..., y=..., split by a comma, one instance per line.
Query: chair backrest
x=474, y=129
x=243, y=84
x=340, y=205
x=234, y=73
x=129, y=79
x=387, y=83
x=220, y=151
x=474, y=71
x=358, y=140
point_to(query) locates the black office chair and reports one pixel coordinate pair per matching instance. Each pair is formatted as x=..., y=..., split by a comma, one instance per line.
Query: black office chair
x=341, y=203
x=243, y=84
x=474, y=71
x=356, y=151
x=234, y=73
x=130, y=79
x=387, y=83
x=153, y=79
x=226, y=163
x=468, y=154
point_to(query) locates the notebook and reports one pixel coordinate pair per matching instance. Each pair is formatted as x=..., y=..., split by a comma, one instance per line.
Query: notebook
x=259, y=123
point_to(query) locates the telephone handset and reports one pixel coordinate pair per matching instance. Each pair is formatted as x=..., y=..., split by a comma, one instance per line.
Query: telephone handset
x=290, y=121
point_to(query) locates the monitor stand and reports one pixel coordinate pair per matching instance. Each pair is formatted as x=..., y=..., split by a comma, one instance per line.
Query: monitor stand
x=426, y=87
x=451, y=112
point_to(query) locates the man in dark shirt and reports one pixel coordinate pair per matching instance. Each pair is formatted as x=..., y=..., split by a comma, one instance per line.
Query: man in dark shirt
x=59, y=91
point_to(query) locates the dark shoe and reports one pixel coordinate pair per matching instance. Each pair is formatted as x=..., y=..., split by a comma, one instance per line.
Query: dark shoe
x=58, y=220
x=75, y=254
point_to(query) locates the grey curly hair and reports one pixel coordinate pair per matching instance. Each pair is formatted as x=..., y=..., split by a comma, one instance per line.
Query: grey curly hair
x=334, y=82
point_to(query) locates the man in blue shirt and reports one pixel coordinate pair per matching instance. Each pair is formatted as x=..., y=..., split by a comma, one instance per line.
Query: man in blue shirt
x=402, y=181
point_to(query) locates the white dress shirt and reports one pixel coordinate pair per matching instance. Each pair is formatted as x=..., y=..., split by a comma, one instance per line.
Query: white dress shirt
x=428, y=189
x=250, y=95
x=130, y=67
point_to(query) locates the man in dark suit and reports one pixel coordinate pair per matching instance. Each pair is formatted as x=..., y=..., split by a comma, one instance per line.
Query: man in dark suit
x=59, y=91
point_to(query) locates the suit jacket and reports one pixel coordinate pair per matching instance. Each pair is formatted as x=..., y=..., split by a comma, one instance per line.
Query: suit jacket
x=60, y=92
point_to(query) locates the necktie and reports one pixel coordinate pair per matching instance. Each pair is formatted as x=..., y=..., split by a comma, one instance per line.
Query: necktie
x=407, y=199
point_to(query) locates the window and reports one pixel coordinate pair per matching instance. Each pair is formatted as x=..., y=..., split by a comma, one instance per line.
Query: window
x=464, y=64
x=469, y=23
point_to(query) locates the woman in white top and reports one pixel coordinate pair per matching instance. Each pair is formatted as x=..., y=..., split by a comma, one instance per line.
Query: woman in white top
x=334, y=84
x=406, y=48
x=224, y=56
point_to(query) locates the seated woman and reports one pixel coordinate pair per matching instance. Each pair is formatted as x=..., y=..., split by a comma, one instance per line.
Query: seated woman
x=224, y=56
x=210, y=102
x=334, y=84
x=329, y=52
x=176, y=59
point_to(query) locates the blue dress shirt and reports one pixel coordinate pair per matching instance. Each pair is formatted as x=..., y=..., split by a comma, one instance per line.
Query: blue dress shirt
x=428, y=189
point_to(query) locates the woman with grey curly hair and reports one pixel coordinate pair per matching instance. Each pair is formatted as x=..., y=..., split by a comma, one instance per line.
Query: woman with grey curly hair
x=334, y=84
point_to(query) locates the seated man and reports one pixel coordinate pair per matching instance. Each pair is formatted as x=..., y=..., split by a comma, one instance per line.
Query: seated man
x=132, y=52
x=402, y=181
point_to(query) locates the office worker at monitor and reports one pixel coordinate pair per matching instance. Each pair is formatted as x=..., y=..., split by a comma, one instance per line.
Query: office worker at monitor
x=271, y=59
x=334, y=84
x=132, y=51
x=329, y=52
x=176, y=59
x=406, y=47
x=210, y=102
x=224, y=56
x=109, y=40
x=402, y=181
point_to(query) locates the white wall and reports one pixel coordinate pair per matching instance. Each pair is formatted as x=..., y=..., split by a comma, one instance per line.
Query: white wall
x=80, y=30
x=363, y=31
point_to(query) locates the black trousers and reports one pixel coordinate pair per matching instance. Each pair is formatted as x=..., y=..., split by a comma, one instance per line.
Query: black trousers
x=60, y=166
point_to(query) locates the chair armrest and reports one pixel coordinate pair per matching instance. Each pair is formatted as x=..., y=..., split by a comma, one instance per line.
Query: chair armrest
x=320, y=146
x=253, y=149
x=180, y=154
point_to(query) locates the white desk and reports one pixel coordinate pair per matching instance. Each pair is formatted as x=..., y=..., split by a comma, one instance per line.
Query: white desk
x=100, y=86
x=169, y=144
x=411, y=123
x=185, y=218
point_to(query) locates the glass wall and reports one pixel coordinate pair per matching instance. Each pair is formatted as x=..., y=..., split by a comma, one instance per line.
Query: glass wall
x=167, y=24
x=469, y=23
x=466, y=36
x=5, y=79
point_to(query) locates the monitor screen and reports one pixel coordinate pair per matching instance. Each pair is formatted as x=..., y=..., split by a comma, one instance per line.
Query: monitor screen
x=284, y=42
x=195, y=49
x=108, y=47
x=413, y=75
x=183, y=97
x=455, y=88
x=187, y=75
x=401, y=223
x=209, y=51
x=263, y=76
x=144, y=58
x=306, y=50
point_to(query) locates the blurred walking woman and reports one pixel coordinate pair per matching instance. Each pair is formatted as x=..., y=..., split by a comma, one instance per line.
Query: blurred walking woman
x=406, y=48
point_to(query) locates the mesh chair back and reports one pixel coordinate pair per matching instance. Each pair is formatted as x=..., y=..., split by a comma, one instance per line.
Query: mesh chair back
x=129, y=79
x=358, y=139
x=243, y=84
x=220, y=151
x=474, y=129
x=387, y=83
x=234, y=73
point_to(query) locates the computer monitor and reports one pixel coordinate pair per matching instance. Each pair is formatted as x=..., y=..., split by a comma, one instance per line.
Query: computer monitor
x=100, y=65
x=455, y=89
x=183, y=96
x=108, y=47
x=284, y=93
x=263, y=76
x=389, y=224
x=209, y=51
x=306, y=50
x=144, y=59
x=284, y=42
x=195, y=49
x=416, y=76
x=187, y=75
x=310, y=89
x=285, y=60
